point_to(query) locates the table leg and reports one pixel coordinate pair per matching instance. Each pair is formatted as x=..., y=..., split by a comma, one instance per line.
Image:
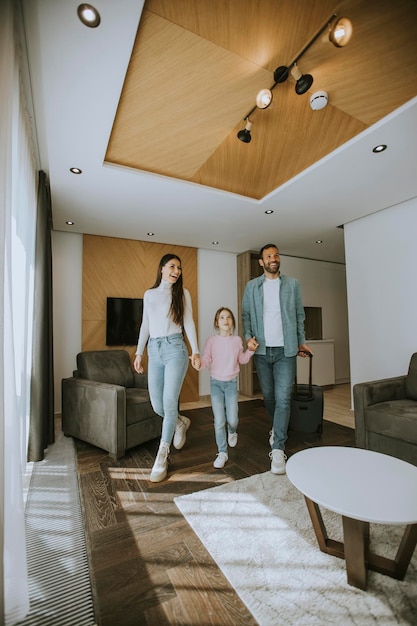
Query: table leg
x=355, y=548
x=405, y=551
x=330, y=546
x=356, y=541
x=396, y=568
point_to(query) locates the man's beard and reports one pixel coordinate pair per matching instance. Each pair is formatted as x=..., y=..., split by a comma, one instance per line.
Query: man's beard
x=268, y=268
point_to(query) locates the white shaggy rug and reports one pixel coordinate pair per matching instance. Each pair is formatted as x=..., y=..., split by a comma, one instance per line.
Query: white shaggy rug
x=259, y=532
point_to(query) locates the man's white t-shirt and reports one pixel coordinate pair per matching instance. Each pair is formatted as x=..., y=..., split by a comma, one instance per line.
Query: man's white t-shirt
x=274, y=336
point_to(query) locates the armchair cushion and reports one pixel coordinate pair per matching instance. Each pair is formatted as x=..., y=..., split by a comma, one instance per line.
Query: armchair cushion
x=137, y=405
x=106, y=366
x=397, y=419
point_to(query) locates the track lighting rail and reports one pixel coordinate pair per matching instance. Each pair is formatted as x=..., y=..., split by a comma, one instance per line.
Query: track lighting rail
x=282, y=72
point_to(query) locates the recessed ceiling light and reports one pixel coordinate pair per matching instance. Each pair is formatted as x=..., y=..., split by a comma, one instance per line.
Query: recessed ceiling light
x=150, y=234
x=69, y=223
x=215, y=243
x=75, y=170
x=268, y=212
x=380, y=148
x=319, y=241
x=88, y=15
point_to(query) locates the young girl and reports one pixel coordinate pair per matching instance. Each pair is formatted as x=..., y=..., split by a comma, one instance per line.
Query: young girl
x=167, y=310
x=223, y=352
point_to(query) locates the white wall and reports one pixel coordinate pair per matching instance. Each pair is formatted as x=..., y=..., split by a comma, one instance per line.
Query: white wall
x=381, y=261
x=67, y=254
x=323, y=284
x=217, y=286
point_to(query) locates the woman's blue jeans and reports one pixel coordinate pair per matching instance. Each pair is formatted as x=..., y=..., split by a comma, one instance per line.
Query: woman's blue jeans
x=167, y=366
x=225, y=409
x=276, y=374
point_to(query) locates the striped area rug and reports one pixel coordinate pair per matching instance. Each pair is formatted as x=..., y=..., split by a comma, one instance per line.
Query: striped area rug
x=59, y=580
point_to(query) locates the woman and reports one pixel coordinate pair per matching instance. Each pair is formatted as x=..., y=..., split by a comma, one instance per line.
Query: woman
x=167, y=311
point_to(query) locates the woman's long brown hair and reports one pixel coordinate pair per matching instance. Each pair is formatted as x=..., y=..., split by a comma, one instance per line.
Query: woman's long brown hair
x=176, y=310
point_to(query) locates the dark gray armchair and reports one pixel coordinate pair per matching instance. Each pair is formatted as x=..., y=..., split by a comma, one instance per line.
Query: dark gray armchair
x=386, y=415
x=106, y=403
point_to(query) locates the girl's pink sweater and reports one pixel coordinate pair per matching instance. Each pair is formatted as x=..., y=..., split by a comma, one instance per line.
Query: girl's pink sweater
x=223, y=355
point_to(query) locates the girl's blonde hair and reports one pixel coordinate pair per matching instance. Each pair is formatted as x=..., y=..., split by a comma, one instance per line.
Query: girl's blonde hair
x=217, y=315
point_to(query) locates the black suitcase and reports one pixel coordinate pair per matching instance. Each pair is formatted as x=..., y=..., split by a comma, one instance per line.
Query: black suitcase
x=307, y=406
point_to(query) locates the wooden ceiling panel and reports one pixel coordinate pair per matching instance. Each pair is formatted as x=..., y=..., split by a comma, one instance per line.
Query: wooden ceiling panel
x=278, y=151
x=197, y=65
x=376, y=73
x=268, y=33
x=182, y=95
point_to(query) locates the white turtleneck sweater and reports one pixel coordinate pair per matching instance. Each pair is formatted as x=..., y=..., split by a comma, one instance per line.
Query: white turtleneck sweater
x=156, y=320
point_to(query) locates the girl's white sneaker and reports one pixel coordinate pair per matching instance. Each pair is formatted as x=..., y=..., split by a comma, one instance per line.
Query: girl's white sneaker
x=220, y=460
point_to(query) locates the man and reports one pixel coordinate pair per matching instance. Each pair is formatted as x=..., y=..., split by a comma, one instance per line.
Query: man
x=273, y=322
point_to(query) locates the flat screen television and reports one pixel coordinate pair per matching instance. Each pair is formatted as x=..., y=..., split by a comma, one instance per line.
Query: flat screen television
x=124, y=317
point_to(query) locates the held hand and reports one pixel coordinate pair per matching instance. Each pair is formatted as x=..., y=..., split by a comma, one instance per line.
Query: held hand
x=195, y=361
x=137, y=364
x=252, y=344
x=304, y=351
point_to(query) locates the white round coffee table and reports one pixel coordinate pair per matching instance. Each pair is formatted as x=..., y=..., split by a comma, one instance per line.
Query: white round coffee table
x=364, y=487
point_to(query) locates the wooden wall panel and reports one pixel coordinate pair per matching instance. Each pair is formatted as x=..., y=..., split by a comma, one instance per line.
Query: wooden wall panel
x=125, y=268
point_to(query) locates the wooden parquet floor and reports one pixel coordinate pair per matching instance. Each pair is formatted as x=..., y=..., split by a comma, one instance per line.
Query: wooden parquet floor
x=147, y=565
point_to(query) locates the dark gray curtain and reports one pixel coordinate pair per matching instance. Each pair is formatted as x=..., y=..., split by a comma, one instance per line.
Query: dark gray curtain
x=41, y=428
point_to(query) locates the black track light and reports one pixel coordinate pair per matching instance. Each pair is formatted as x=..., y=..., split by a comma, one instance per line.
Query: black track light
x=244, y=135
x=303, y=82
x=281, y=74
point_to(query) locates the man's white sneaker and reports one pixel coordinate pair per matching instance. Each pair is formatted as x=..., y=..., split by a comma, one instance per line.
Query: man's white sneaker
x=232, y=439
x=278, y=459
x=220, y=460
x=183, y=424
x=271, y=437
x=160, y=467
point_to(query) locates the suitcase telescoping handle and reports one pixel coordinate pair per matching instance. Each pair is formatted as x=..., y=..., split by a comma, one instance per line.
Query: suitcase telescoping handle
x=310, y=377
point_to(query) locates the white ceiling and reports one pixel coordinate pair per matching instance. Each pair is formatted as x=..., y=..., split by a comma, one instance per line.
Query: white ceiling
x=77, y=75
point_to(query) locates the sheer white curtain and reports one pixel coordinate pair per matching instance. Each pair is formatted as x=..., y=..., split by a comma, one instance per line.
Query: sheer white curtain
x=18, y=182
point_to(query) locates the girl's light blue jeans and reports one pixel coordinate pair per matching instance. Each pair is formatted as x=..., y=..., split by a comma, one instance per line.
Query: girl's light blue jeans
x=276, y=374
x=167, y=366
x=225, y=409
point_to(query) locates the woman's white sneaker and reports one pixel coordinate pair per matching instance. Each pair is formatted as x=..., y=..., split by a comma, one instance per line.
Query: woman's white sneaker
x=160, y=467
x=232, y=439
x=183, y=424
x=220, y=460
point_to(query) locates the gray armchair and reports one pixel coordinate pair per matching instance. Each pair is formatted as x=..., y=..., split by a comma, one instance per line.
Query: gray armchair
x=386, y=415
x=106, y=403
